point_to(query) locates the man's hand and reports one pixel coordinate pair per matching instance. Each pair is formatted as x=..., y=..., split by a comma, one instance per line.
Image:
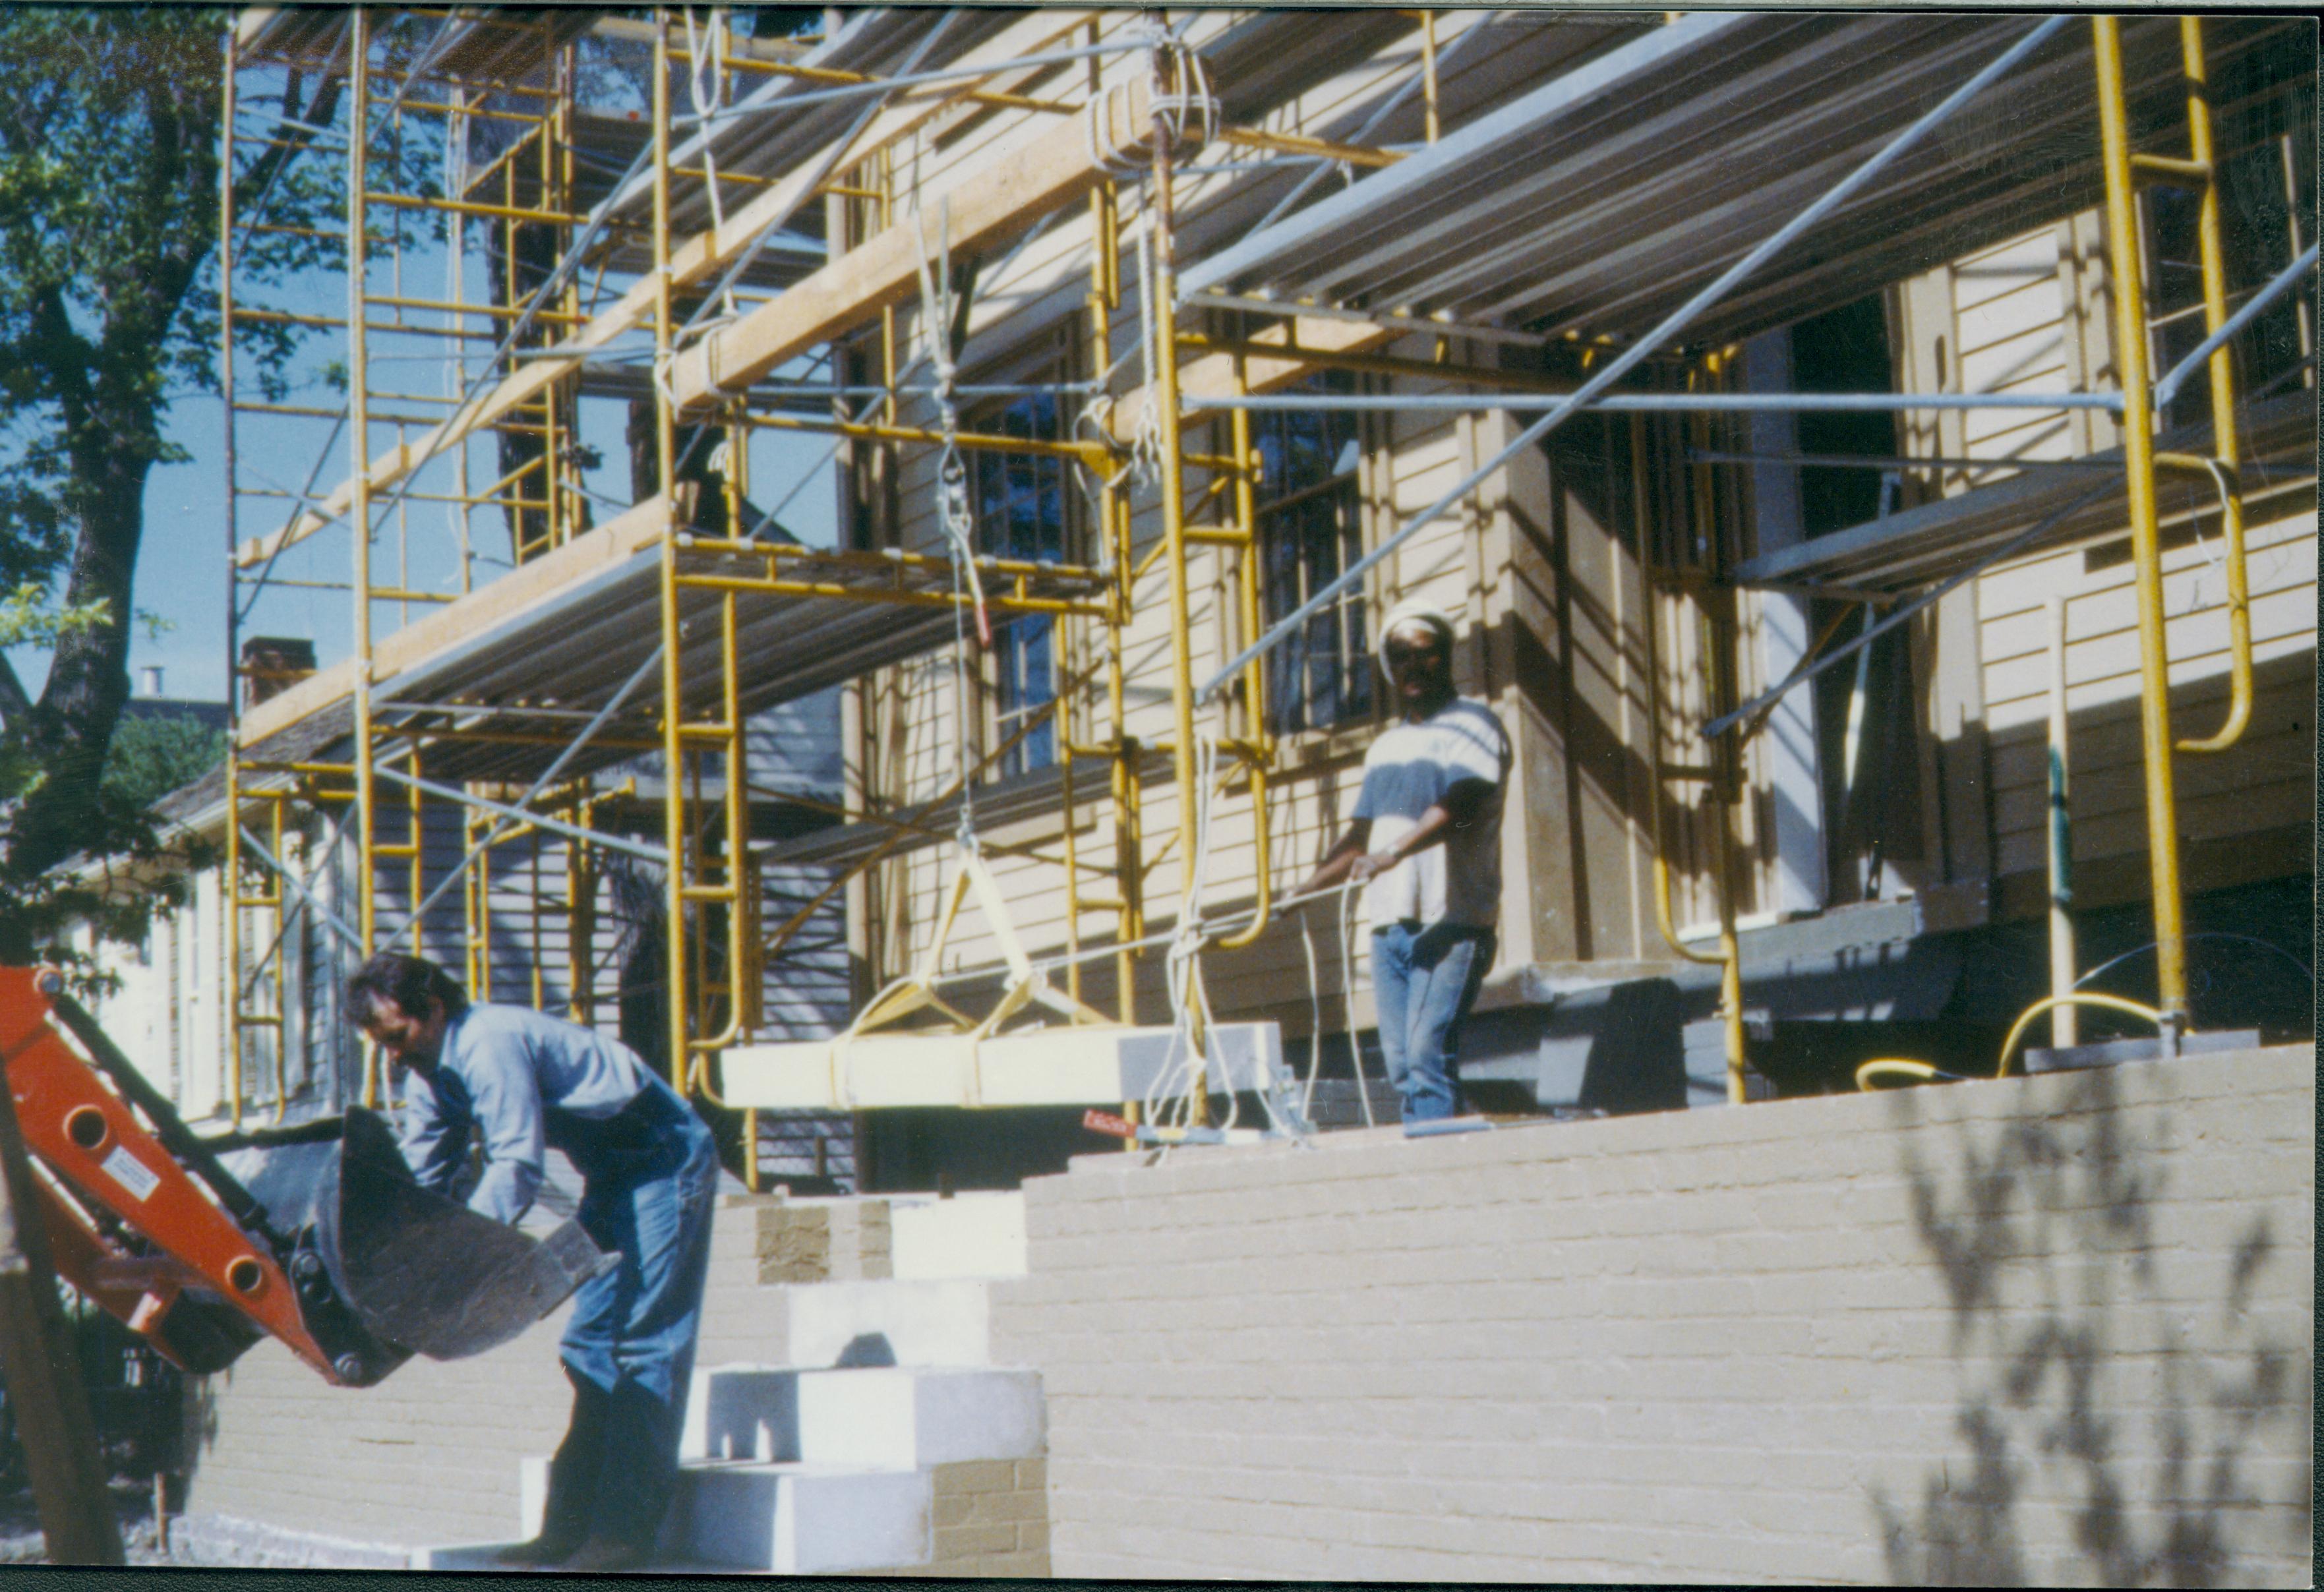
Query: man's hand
x=1374, y=863
x=1339, y=861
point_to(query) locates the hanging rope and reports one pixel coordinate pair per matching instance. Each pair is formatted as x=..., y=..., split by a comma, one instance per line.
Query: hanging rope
x=706, y=84
x=954, y=520
x=1179, y=94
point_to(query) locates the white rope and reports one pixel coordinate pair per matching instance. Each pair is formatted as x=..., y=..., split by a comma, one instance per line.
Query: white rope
x=1347, y=915
x=1145, y=447
x=455, y=259
x=2211, y=555
x=1182, y=978
x=1314, y=1021
x=709, y=97
x=955, y=518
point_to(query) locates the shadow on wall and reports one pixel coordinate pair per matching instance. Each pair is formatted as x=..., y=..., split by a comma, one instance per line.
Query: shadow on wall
x=2044, y=1236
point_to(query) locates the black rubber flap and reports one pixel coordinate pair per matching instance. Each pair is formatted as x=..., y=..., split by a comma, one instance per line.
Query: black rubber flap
x=426, y=1273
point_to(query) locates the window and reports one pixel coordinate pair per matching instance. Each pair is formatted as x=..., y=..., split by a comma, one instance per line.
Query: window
x=2267, y=191
x=1023, y=507
x=1310, y=528
x=1865, y=754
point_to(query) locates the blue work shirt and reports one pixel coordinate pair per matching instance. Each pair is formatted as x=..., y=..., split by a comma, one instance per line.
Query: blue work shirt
x=512, y=1072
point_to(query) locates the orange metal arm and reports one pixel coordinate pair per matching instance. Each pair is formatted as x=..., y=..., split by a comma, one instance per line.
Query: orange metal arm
x=90, y=1140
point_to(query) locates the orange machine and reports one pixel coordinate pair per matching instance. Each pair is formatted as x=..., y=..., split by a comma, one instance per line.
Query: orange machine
x=322, y=1239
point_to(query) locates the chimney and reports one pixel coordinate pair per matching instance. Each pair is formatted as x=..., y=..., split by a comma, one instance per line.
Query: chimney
x=148, y=681
x=272, y=665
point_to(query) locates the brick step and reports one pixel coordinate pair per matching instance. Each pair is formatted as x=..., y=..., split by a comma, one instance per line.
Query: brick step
x=902, y=1418
x=1336, y=1103
x=485, y=1556
x=795, y=1519
x=779, y=1519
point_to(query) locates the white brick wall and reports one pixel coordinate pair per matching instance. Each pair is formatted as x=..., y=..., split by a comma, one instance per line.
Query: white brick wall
x=1920, y=1336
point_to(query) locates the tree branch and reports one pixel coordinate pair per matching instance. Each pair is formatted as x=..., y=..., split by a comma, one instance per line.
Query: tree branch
x=289, y=139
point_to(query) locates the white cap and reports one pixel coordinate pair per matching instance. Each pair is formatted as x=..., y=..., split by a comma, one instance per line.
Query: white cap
x=1413, y=611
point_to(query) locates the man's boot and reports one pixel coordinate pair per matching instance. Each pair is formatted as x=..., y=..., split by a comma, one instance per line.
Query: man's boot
x=573, y=1478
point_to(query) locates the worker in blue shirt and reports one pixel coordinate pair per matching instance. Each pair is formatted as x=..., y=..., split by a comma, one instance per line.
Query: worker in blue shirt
x=521, y=1082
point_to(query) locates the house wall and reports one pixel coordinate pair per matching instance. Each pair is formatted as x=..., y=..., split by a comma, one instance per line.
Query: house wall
x=910, y=729
x=2054, y=1329
x=1543, y=566
x=2030, y=315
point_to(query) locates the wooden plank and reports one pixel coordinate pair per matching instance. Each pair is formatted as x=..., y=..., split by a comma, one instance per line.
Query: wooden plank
x=43, y=1377
x=884, y=271
x=612, y=543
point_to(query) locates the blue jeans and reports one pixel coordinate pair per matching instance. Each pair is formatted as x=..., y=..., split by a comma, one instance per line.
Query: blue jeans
x=649, y=1180
x=1423, y=982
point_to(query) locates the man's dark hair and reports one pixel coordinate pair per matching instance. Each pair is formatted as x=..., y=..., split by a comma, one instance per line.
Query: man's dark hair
x=413, y=983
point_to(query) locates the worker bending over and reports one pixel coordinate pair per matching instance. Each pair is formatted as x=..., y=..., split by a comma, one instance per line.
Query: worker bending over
x=1426, y=835
x=523, y=1081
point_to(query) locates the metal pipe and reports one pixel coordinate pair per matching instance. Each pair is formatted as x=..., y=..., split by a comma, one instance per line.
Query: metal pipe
x=740, y=961
x=2128, y=291
x=1621, y=365
x=2281, y=283
x=905, y=81
x=1254, y=685
x=1161, y=323
x=1290, y=310
x=258, y=846
x=359, y=507
x=1894, y=462
x=2060, y=837
x=1113, y=529
x=2225, y=443
x=1428, y=73
x=233, y=874
x=1655, y=403
x=538, y=820
x=673, y=699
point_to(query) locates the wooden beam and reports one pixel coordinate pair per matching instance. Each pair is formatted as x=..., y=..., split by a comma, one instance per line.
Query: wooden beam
x=987, y=208
x=614, y=542
x=691, y=262
x=43, y=1377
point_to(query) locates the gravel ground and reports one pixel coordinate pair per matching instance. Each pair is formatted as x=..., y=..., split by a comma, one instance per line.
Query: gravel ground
x=20, y=1542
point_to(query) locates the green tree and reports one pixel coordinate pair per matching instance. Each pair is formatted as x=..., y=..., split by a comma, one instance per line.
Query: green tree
x=109, y=183
x=151, y=757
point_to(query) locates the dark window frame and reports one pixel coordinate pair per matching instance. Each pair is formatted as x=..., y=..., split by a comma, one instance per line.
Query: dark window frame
x=1309, y=524
x=1028, y=646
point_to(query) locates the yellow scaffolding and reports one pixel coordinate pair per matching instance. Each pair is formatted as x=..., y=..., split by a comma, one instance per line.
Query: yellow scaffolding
x=559, y=226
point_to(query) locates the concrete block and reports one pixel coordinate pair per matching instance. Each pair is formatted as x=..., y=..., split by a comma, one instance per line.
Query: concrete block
x=910, y=1417
x=1050, y=1066
x=795, y=1519
x=944, y=1322
x=741, y=1412
x=978, y=1234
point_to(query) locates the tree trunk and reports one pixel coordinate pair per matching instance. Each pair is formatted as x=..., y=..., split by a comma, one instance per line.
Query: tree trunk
x=71, y=725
